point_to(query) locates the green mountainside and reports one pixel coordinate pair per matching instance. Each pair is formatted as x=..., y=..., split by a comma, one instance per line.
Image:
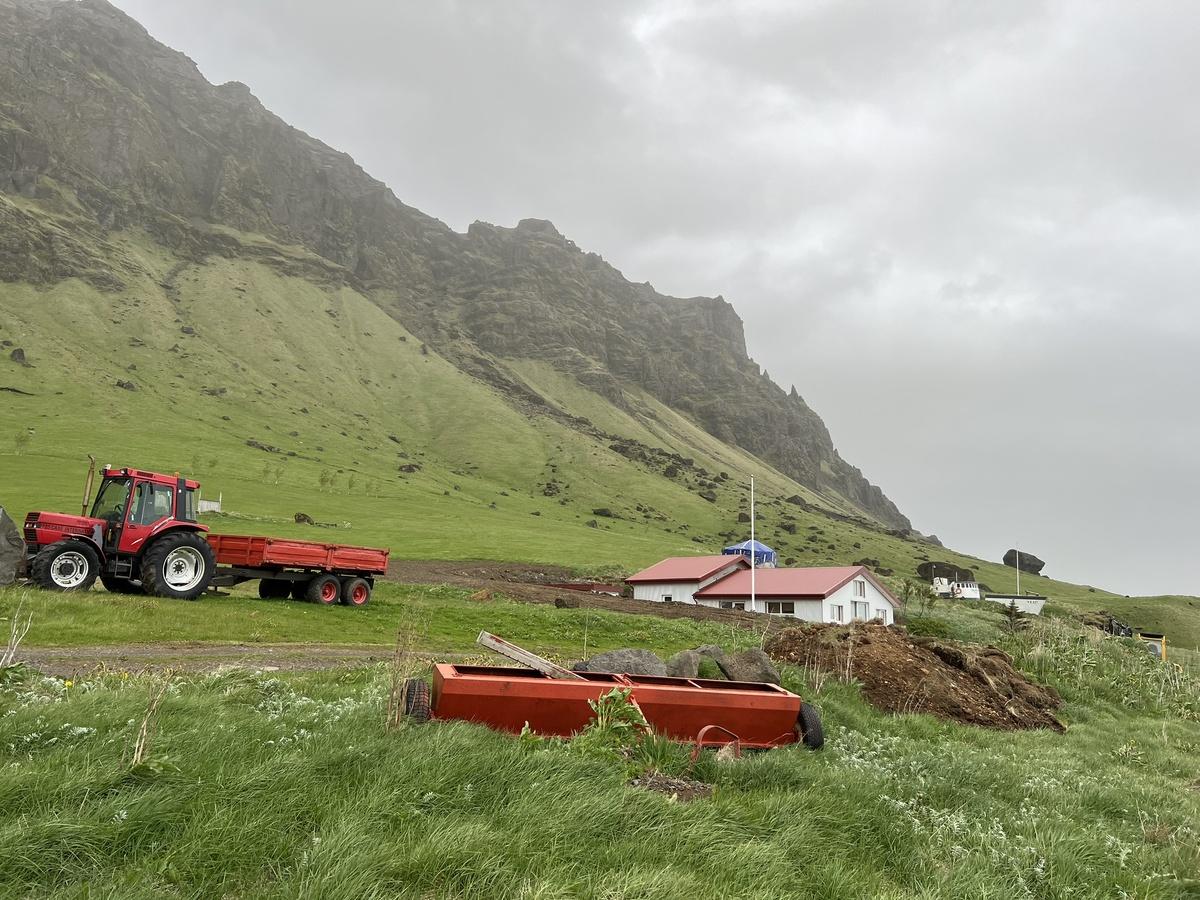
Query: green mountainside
x=188, y=283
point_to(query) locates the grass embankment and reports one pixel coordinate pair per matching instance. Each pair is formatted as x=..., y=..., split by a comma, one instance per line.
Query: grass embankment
x=260, y=786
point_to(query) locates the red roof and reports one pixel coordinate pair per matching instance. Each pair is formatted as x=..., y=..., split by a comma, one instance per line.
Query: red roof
x=814, y=583
x=686, y=568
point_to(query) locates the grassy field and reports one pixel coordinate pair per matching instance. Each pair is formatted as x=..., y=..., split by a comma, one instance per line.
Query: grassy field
x=256, y=785
x=447, y=619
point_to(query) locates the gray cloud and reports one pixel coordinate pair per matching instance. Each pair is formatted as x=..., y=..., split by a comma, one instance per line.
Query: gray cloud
x=965, y=231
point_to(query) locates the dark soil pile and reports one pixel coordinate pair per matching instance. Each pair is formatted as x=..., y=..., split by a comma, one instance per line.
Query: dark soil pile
x=904, y=674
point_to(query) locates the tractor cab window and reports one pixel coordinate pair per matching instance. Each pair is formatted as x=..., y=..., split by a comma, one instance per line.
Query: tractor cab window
x=151, y=503
x=188, y=513
x=110, y=502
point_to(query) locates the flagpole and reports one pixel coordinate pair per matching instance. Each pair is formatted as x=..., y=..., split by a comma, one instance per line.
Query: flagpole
x=753, y=547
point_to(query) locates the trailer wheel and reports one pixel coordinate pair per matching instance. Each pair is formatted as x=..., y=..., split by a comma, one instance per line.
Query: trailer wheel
x=808, y=727
x=66, y=566
x=416, y=700
x=356, y=592
x=115, y=585
x=178, y=565
x=274, y=588
x=324, y=589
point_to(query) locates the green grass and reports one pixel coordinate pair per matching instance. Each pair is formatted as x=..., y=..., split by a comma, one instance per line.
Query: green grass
x=447, y=620
x=264, y=786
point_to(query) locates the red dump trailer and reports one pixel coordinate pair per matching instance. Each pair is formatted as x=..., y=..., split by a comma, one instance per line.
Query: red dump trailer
x=322, y=573
x=695, y=710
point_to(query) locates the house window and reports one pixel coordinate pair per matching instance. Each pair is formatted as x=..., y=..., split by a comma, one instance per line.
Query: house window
x=838, y=612
x=861, y=610
x=732, y=604
x=667, y=598
x=860, y=589
x=882, y=615
x=781, y=609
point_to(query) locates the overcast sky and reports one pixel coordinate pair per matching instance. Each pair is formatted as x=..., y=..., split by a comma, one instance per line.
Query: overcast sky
x=967, y=232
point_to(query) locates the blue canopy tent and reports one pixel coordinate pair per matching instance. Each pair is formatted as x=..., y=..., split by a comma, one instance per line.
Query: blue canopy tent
x=757, y=552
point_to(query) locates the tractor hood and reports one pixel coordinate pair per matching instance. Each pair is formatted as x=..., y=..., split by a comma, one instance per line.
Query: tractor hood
x=51, y=527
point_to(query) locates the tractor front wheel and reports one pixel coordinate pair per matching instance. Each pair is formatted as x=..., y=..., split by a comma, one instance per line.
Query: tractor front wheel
x=178, y=565
x=66, y=566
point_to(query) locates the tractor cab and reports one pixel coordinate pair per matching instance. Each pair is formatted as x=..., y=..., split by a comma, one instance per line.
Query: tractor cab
x=135, y=505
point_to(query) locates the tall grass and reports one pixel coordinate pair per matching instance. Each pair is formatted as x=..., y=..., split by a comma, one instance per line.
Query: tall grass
x=272, y=786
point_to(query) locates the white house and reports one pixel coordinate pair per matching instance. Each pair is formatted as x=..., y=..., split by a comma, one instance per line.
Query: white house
x=676, y=580
x=835, y=594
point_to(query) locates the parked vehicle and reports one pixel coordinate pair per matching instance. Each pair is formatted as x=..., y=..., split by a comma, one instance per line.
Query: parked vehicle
x=141, y=536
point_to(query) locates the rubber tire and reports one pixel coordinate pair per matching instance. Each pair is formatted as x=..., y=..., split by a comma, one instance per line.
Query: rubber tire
x=352, y=585
x=808, y=725
x=319, y=590
x=156, y=555
x=416, y=700
x=115, y=585
x=39, y=569
x=274, y=588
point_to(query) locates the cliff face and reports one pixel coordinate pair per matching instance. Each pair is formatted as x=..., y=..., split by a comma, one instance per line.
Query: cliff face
x=102, y=128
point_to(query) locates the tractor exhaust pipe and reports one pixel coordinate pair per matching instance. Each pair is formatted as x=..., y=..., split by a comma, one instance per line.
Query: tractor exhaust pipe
x=87, y=485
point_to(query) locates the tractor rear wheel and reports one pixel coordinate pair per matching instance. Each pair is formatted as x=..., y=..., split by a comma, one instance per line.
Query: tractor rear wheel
x=66, y=566
x=356, y=592
x=115, y=585
x=274, y=588
x=808, y=727
x=178, y=565
x=324, y=589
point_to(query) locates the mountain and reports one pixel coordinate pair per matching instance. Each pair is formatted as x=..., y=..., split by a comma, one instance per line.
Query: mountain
x=104, y=131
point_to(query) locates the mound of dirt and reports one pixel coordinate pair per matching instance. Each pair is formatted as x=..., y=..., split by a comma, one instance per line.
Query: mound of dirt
x=681, y=790
x=903, y=674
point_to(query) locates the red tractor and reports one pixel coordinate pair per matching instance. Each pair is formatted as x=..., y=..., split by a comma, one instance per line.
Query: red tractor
x=142, y=528
x=142, y=536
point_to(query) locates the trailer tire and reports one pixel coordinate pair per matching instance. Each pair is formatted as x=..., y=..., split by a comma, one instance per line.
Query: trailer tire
x=808, y=727
x=416, y=700
x=66, y=566
x=178, y=565
x=356, y=592
x=115, y=585
x=324, y=589
x=274, y=588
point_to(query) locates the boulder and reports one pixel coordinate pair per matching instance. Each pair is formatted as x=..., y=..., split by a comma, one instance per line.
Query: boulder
x=567, y=603
x=626, y=661
x=684, y=664
x=12, y=548
x=751, y=665
x=1029, y=562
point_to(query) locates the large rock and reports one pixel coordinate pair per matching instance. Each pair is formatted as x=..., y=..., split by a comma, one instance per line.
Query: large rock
x=934, y=569
x=628, y=662
x=12, y=548
x=751, y=665
x=684, y=664
x=1029, y=562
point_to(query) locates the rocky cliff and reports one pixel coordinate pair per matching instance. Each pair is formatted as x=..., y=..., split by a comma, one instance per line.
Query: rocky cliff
x=102, y=129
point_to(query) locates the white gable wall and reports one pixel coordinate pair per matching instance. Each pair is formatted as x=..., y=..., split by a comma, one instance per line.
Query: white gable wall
x=682, y=591
x=840, y=606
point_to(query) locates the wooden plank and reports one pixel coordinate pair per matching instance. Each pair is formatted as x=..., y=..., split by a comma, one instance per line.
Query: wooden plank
x=524, y=657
